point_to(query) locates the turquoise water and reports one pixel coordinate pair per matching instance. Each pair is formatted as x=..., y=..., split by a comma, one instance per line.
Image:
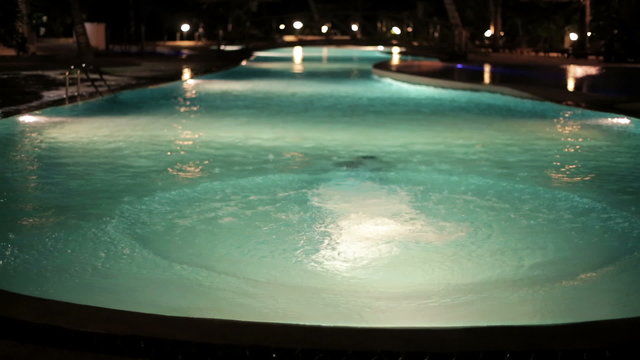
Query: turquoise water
x=311, y=191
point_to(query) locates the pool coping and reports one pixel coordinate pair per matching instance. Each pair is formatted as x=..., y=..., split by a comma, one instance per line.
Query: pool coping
x=449, y=84
x=60, y=315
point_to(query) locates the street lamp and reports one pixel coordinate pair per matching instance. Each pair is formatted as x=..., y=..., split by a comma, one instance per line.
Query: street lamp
x=184, y=28
x=354, y=27
x=297, y=25
x=396, y=30
x=324, y=29
x=573, y=36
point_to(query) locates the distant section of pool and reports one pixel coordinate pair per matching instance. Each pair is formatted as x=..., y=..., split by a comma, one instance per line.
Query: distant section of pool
x=300, y=188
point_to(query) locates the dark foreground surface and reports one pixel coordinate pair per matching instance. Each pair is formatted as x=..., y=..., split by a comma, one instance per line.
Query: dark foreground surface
x=29, y=83
x=34, y=328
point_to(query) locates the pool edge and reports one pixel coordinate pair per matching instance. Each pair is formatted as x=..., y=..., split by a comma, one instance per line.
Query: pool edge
x=449, y=84
x=600, y=334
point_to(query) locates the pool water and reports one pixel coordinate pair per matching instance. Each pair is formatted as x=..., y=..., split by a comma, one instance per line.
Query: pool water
x=300, y=188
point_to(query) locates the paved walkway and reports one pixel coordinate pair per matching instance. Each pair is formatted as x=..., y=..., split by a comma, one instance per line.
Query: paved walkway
x=33, y=82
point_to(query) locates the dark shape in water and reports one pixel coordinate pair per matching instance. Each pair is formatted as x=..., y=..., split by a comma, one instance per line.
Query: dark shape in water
x=365, y=162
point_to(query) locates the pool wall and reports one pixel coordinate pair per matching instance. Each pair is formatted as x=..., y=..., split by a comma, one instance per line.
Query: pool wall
x=53, y=317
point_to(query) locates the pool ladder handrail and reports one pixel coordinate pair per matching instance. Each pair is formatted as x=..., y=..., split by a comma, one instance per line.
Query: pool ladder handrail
x=77, y=70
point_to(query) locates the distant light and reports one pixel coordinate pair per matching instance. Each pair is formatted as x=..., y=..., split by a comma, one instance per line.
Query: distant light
x=459, y=66
x=573, y=36
x=486, y=74
x=395, y=50
x=380, y=48
x=588, y=33
x=396, y=30
x=501, y=33
x=488, y=33
x=297, y=25
x=281, y=27
x=28, y=118
x=354, y=27
x=324, y=29
x=185, y=27
x=409, y=28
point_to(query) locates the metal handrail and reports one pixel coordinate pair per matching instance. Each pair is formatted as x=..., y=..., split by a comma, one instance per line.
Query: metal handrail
x=69, y=71
x=84, y=68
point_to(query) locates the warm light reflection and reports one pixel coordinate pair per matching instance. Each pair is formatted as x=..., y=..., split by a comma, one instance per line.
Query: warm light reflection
x=187, y=169
x=395, y=60
x=380, y=48
x=575, y=72
x=190, y=170
x=325, y=55
x=186, y=73
x=571, y=83
x=187, y=101
x=368, y=222
x=486, y=79
x=568, y=166
x=395, y=50
x=298, y=57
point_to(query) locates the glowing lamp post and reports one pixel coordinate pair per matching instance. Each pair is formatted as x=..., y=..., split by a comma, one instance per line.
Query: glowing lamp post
x=185, y=28
x=297, y=25
x=573, y=36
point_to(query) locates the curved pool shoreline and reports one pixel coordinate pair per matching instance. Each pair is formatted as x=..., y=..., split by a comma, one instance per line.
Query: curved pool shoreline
x=58, y=316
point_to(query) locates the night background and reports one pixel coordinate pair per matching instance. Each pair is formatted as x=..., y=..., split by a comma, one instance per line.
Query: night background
x=540, y=25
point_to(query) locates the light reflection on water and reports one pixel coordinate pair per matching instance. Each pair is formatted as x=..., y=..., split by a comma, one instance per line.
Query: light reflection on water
x=568, y=165
x=260, y=194
x=366, y=222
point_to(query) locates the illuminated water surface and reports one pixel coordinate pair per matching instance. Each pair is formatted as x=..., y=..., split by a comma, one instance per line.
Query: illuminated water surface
x=300, y=188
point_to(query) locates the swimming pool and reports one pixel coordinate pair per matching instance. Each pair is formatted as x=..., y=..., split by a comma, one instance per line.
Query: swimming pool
x=299, y=188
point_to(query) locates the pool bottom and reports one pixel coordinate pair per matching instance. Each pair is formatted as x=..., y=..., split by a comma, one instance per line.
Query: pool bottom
x=42, y=322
